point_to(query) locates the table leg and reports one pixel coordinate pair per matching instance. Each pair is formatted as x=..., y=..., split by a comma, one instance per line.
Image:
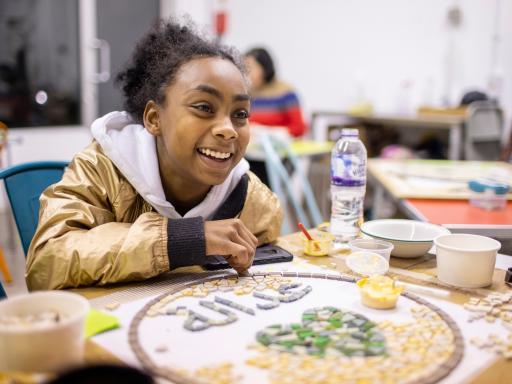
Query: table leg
x=378, y=199
x=454, y=146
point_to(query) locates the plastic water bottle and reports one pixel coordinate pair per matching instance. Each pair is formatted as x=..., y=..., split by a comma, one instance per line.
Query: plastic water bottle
x=348, y=185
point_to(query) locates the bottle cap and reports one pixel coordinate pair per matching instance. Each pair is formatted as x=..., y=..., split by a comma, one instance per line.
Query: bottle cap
x=349, y=132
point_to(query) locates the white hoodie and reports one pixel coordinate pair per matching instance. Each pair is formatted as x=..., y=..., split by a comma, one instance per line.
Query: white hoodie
x=133, y=151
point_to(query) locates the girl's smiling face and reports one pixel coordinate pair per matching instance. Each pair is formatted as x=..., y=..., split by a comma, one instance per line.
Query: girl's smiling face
x=202, y=128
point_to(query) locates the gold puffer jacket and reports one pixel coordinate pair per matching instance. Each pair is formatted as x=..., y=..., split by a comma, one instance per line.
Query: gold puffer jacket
x=94, y=228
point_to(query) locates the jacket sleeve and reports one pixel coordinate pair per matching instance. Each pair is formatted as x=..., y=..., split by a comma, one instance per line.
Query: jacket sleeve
x=262, y=212
x=78, y=241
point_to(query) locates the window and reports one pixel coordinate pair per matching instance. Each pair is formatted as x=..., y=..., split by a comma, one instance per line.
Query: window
x=39, y=63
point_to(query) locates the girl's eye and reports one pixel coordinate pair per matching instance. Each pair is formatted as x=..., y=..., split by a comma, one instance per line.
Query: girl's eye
x=203, y=108
x=242, y=114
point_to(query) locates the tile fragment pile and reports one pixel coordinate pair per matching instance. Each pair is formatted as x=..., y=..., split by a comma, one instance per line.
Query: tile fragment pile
x=30, y=321
x=491, y=308
x=219, y=374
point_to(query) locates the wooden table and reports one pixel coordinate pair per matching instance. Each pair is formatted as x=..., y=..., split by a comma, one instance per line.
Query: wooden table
x=418, y=271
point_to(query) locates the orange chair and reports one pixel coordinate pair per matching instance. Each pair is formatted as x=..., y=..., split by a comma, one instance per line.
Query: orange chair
x=4, y=267
x=3, y=263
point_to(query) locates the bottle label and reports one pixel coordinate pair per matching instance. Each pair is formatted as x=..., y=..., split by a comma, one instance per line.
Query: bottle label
x=348, y=171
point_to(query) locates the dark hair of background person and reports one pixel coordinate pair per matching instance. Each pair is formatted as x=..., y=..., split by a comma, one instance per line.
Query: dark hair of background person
x=103, y=374
x=262, y=56
x=472, y=96
x=157, y=58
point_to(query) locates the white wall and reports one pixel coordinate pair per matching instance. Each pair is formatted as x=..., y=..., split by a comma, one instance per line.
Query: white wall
x=330, y=49
x=334, y=50
x=35, y=144
x=47, y=143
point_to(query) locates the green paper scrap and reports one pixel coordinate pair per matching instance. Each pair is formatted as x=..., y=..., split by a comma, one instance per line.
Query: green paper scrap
x=99, y=322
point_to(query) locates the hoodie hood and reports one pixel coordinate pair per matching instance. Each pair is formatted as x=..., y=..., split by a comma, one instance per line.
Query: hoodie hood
x=132, y=149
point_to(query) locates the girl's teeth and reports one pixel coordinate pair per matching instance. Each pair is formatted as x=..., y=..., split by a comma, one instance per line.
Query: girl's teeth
x=217, y=155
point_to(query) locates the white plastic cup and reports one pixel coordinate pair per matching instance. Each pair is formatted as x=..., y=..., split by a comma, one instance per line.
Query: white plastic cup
x=465, y=260
x=47, y=348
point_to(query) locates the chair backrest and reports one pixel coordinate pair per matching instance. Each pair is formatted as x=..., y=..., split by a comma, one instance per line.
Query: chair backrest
x=278, y=177
x=3, y=295
x=484, y=127
x=24, y=184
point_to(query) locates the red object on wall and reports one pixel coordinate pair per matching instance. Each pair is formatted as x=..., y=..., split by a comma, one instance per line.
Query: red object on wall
x=220, y=22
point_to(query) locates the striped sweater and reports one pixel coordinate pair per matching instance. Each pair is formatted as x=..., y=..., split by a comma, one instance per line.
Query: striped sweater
x=276, y=104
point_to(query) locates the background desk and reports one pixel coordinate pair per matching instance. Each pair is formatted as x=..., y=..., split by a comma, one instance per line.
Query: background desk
x=433, y=179
x=436, y=191
x=452, y=123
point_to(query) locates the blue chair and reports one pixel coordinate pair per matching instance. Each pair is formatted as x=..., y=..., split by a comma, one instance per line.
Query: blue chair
x=278, y=177
x=2, y=292
x=24, y=184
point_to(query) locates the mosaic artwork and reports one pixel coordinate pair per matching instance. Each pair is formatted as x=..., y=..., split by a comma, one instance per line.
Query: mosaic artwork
x=325, y=330
x=291, y=328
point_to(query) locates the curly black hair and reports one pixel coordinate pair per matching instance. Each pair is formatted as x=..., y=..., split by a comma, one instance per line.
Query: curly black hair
x=156, y=60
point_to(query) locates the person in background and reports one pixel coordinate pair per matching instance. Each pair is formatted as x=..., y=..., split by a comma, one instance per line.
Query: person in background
x=164, y=183
x=274, y=103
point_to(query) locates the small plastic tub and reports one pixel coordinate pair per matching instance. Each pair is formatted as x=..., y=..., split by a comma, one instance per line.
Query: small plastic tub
x=321, y=244
x=367, y=263
x=379, y=292
x=488, y=194
x=381, y=247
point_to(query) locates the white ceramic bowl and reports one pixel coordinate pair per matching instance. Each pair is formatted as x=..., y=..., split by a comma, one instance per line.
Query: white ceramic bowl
x=43, y=347
x=465, y=260
x=410, y=238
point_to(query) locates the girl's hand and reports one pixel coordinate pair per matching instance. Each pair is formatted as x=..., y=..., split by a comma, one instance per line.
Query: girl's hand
x=231, y=238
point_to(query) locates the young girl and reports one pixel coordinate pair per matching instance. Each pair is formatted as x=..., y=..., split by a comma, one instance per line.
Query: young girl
x=163, y=184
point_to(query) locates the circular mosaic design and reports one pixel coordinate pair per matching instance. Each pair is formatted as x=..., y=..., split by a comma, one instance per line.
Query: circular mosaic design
x=327, y=344
x=326, y=330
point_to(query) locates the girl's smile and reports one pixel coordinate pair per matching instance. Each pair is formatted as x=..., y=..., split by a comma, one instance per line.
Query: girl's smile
x=202, y=128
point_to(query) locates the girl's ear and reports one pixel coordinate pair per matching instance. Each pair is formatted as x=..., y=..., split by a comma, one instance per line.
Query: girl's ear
x=151, y=118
